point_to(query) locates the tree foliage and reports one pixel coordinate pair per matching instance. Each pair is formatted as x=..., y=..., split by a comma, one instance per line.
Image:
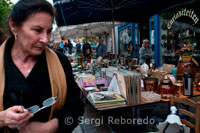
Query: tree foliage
x=5, y=8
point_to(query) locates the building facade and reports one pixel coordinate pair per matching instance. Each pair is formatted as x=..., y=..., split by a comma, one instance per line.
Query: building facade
x=167, y=32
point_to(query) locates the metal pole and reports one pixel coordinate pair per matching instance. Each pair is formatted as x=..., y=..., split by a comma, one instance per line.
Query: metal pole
x=113, y=22
x=63, y=18
x=115, y=45
x=62, y=15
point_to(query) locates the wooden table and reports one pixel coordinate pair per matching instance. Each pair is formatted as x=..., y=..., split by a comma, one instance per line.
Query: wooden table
x=133, y=111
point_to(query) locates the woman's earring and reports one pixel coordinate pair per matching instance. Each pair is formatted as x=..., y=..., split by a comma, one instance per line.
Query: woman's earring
x=15, y=36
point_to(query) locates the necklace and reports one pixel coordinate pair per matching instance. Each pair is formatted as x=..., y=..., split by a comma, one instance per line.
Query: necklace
x=24, y=67
x=29, y=70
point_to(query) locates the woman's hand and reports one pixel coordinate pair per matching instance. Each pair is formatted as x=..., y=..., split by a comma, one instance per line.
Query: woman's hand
x=14, y=117
x=40, y=127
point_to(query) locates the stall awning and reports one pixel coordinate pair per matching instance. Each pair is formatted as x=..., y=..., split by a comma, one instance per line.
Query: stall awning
x=73, y=12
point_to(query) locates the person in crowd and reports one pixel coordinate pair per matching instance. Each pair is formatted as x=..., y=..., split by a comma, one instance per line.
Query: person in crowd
x=87, y=51
x=61, y=49
x=145, y=52
x=78, y=48
x=65, y=48
x=69, y=45
x=101, y=49
x=130, y=49
x=33, y=77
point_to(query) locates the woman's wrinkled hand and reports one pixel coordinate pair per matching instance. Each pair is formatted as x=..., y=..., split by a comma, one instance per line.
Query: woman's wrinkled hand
x=15, y=117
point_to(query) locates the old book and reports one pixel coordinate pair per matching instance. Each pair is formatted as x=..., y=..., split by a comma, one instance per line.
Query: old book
x=133, y=86
x=109, y=105
x=104, y=97
x=122, y=84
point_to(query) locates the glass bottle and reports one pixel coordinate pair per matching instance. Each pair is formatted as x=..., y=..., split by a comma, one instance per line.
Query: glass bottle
x=166, y=88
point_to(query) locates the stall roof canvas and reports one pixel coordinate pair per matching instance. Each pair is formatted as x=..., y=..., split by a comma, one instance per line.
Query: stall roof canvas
x=73, y=12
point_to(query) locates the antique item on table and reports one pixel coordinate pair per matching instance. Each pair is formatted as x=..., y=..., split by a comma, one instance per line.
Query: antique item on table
x=166, y=89
x=198, y=84
x=174, y=70
x=128, y=61
x=130, y=86
x=150, y=96
x=153, y=66
x=184, y=66
x=104, y=88
x=70, y=59
x=83, y=66
x=172, y=78
x=99, y=59
x=135, y=68
x=150, y=84
x=144, y=69
x=187, y=84
x=105, y=99
x=133, y=64
x=90, y=88
x=168, y=67
x=195, y=62
x=179, y=86
x=122, y=60
x=158, y=74
x=134, y=61
x=80, y=60
x=100, y=85
x=172, y=124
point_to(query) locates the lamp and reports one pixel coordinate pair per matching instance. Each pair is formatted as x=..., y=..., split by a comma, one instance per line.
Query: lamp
x=173, y=123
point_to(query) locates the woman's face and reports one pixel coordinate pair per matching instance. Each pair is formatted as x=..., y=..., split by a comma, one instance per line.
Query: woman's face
x=35, y=33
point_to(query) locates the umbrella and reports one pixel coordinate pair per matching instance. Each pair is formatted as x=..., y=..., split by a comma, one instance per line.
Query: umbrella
x=72, y=12
x=88, y=29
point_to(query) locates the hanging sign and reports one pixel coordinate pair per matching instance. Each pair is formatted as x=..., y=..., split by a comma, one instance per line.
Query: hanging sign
x=184, y=12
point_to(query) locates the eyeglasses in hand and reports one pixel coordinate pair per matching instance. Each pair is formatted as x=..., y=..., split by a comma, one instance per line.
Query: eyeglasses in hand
x=46, y=103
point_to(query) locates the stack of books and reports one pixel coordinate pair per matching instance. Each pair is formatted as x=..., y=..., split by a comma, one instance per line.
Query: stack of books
x=106, y=99
x=130, y=86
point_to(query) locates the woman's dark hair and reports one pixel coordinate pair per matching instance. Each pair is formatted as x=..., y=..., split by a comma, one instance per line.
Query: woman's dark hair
x=23, y=9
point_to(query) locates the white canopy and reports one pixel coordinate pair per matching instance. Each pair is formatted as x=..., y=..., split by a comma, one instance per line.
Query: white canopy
x=88, y=29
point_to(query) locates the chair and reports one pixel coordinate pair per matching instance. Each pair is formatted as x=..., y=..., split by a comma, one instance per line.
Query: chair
x=196, y=116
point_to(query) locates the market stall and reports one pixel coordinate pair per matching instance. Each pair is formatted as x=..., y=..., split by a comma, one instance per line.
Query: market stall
x=108, y=86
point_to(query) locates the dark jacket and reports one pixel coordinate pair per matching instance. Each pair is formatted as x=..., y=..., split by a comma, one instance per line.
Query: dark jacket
x=36, y=88
x=87, y=49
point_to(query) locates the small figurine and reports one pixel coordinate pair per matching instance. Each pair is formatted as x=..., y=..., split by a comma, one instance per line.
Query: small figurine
x=144, y=69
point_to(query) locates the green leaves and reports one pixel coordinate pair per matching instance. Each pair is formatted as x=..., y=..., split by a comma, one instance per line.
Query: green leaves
x=5, y=8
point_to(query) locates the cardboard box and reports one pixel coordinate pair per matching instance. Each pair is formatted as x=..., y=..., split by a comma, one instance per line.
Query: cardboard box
x=168, y=67
x=158, y=74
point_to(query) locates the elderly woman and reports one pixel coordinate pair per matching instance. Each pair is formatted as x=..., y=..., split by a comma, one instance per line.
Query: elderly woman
x=32, y=74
